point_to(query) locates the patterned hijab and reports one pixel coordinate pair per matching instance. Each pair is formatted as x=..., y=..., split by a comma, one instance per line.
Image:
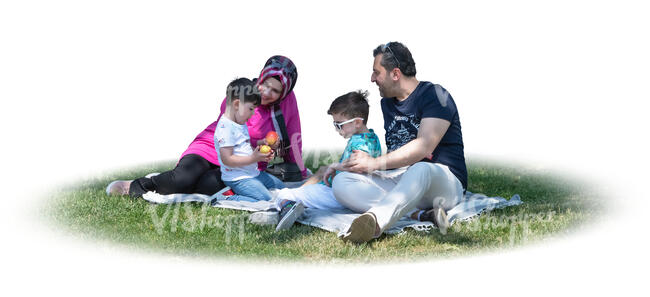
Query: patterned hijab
x=283, y=68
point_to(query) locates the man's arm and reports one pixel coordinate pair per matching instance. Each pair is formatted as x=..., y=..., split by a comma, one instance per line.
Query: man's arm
x=430, y=133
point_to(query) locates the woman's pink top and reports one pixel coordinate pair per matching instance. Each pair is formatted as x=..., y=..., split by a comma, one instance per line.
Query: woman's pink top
x=258, y=125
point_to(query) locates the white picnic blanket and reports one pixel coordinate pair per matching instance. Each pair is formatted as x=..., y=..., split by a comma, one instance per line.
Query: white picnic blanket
x=338, y=220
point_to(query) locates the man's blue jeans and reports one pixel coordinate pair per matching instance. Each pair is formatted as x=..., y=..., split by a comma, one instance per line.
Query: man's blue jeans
x=254, y=189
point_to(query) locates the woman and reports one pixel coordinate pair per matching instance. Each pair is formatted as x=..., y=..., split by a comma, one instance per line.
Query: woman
x=198, y=170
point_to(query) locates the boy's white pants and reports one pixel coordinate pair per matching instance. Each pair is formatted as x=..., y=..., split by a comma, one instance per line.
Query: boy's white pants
x=316, y=196
x=391, y=194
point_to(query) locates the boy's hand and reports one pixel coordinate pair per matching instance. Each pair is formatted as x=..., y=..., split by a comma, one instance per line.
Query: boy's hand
x=330, y=171
x=262, y=157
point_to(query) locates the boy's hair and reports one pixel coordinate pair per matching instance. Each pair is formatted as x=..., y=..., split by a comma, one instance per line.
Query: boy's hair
x=351, y=105
x=243, y=89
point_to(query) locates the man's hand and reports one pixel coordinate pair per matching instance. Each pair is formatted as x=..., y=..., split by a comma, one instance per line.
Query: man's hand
x=430, y=133
x=360, y=162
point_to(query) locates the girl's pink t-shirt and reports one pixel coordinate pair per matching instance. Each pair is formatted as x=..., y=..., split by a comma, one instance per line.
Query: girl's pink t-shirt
x=258, y=125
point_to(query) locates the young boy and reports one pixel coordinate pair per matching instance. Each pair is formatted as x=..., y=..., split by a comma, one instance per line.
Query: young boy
x=237, y=158
x=350, y=115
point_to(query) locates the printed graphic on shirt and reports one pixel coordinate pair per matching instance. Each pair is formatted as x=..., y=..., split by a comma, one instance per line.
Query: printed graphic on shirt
x=401, y=130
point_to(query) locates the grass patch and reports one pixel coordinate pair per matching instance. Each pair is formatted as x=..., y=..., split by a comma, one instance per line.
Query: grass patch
x=553, y=206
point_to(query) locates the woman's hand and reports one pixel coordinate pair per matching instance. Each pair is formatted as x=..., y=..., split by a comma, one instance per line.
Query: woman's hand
x=264, y=142
x=275, y=145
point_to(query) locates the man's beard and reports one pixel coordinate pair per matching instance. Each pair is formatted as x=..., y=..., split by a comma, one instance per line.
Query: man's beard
x=386, y=92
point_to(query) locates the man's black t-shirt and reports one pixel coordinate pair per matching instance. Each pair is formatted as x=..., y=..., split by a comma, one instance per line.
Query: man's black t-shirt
x=402, y=121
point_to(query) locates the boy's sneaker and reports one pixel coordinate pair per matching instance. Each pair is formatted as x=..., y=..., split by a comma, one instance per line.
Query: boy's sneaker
x=289, y=214
x=264, y=218
x=438, y=217
x=223, y=194
x=118, y=187
x=362, y=229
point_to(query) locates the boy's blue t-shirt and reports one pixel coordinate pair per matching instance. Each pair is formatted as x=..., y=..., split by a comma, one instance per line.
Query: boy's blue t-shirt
x=367, y=142
x=402, y=121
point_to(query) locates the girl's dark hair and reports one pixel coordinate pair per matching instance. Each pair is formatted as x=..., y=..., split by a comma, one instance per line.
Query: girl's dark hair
x=243, y=89
x=351, y=105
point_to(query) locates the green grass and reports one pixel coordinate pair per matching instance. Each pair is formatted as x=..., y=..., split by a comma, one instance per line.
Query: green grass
x=553, y=206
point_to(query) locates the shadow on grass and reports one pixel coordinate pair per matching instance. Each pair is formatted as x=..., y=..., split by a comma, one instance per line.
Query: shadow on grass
x=553, y=205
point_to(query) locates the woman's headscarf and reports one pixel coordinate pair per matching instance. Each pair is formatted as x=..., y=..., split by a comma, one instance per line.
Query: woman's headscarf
x=283, y=68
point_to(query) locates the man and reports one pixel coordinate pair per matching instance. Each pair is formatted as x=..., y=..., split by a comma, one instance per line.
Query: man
x=425, y=155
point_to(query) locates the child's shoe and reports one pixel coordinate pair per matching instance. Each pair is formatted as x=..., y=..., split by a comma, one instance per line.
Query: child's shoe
x=264, y=218
x=289, y=213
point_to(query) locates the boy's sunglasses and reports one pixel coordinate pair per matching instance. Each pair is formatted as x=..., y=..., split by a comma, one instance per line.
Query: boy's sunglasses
x=339, y=126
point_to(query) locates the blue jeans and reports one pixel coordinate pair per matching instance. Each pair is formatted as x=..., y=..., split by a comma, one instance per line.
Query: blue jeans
x=254, y=189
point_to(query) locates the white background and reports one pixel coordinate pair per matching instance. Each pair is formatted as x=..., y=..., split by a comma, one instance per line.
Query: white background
x=88, y=87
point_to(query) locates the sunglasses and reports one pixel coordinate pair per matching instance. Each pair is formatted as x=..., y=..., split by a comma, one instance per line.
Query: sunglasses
x=387, y=47
x=339, y=126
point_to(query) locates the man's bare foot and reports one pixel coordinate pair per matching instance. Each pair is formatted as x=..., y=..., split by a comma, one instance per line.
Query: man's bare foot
x=438, y=217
